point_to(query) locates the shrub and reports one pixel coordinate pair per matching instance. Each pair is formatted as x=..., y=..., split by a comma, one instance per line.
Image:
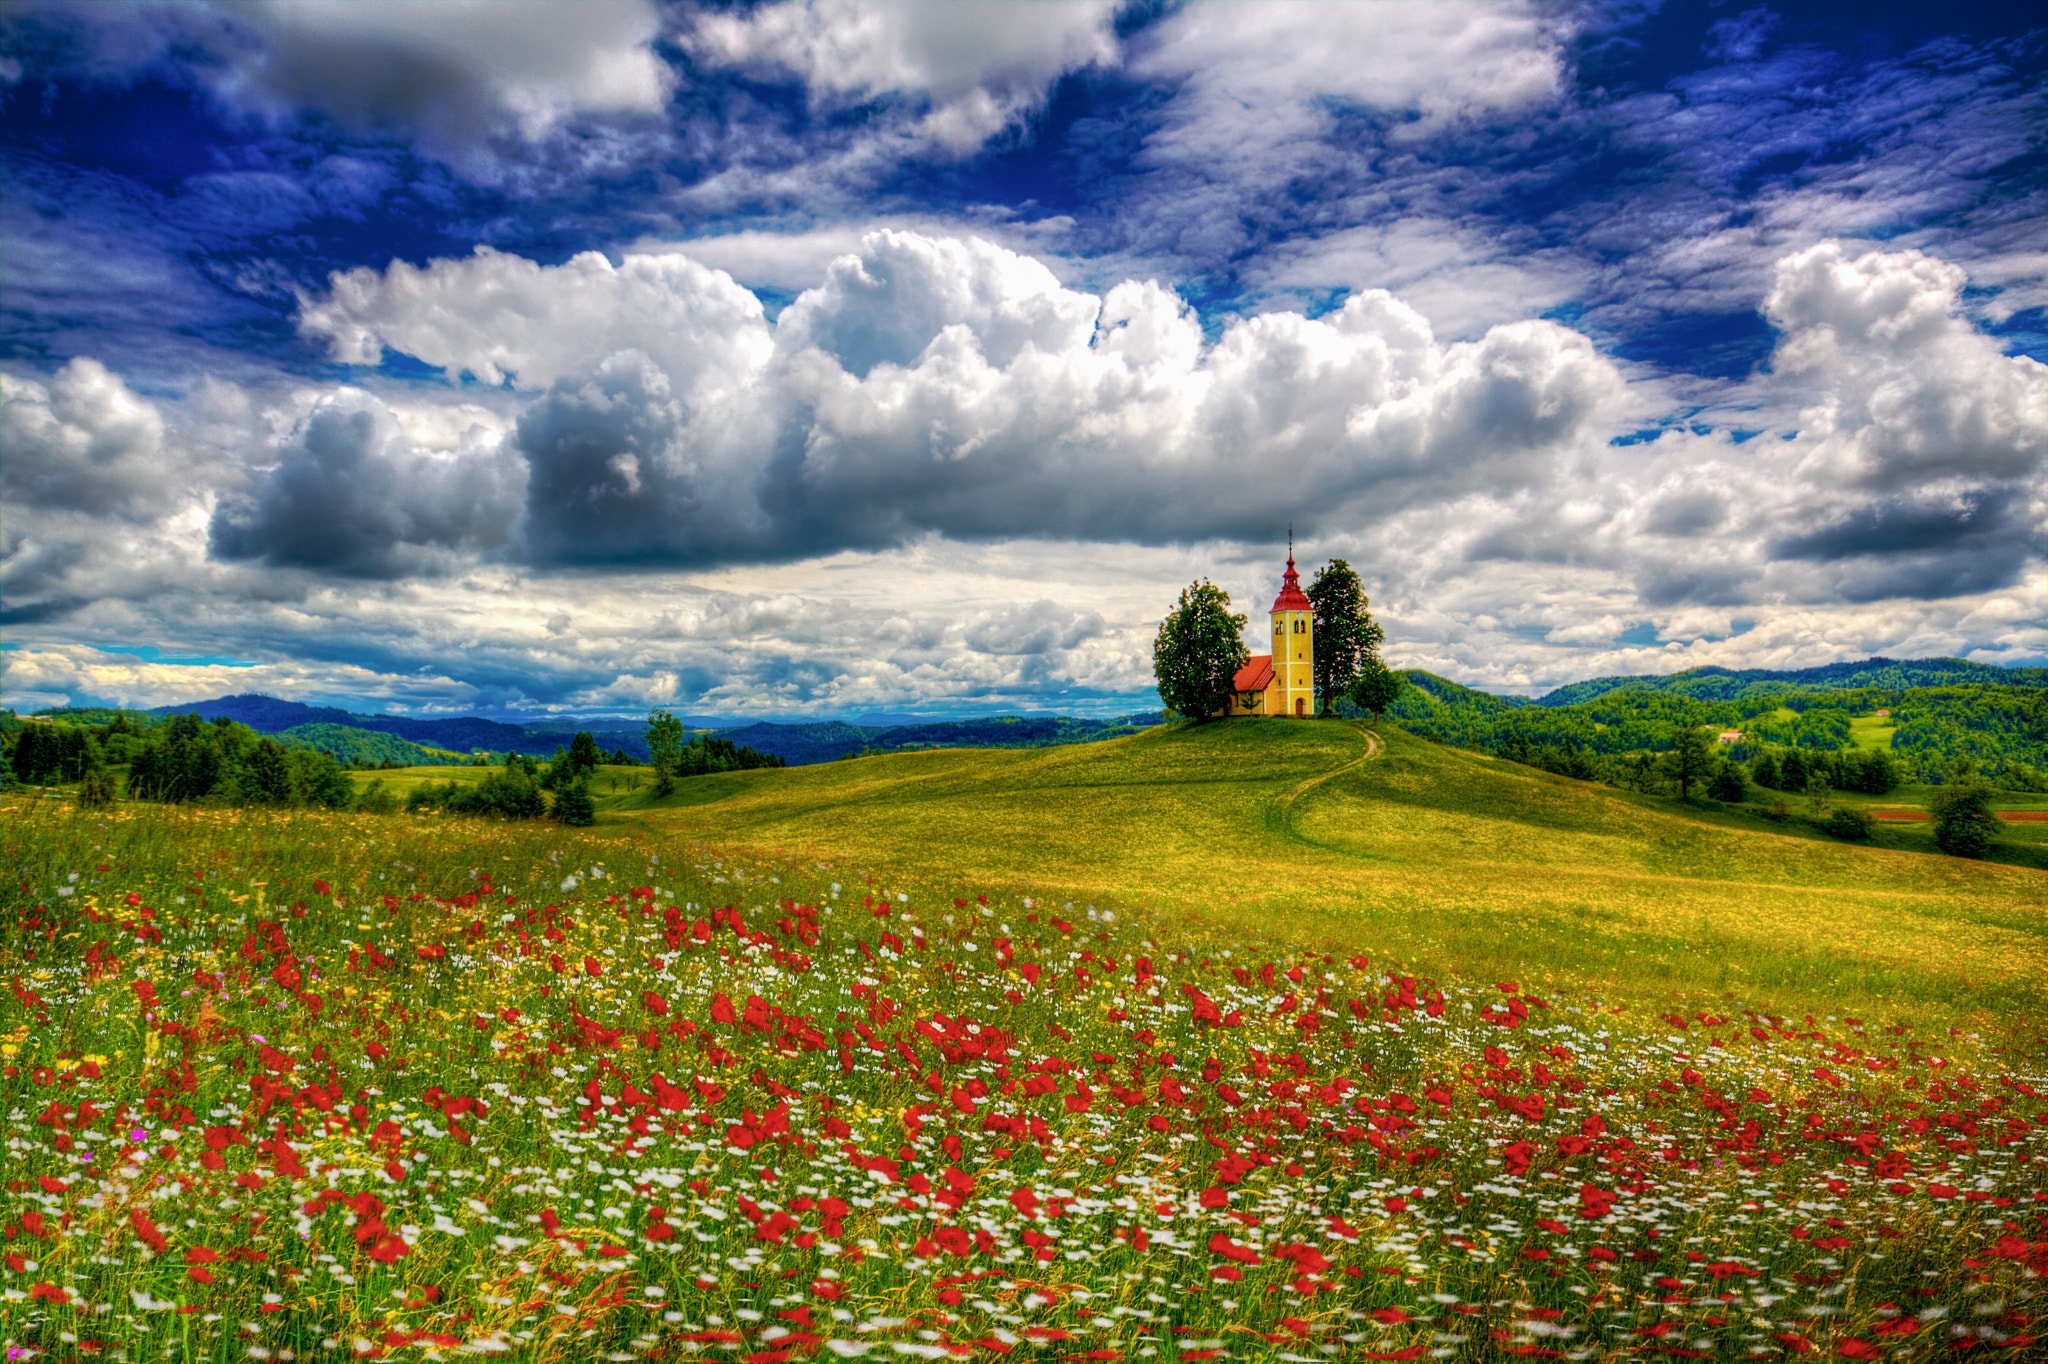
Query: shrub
x=1727, y=783
x=96, y=789
x=1963, y=823
x=427, y=796
x=511, y=794
x=378, y=799
x=1849, y=824
x=1376, y=687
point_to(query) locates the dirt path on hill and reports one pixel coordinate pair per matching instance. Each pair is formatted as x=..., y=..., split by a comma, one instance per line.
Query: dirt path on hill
x=1280, y=815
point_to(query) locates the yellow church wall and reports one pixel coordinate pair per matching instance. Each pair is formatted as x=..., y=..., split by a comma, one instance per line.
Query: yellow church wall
x=1293, y=665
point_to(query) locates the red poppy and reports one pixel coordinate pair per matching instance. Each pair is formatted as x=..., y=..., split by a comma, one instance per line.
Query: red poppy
x=1222, y=1245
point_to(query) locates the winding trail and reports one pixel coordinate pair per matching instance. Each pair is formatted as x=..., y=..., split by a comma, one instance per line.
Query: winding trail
x=1280, y=815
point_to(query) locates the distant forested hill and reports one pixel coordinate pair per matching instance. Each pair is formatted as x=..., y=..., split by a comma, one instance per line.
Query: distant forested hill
x=1884, y=674
x=827, y=740
x=347, y=744
x=1940, y=709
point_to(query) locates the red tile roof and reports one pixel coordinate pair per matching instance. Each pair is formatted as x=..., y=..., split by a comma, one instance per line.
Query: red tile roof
x=1255, y=675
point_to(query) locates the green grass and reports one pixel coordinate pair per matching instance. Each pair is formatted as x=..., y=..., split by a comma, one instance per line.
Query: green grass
x=608, y=780
x=1466, y=864
x=1872, y=731
x=223, y=1020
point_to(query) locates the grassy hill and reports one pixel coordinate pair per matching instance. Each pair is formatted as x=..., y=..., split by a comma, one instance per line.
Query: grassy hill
x=565, y=1094
x=348, y=744
x=1935, y=711
x=1465, y=863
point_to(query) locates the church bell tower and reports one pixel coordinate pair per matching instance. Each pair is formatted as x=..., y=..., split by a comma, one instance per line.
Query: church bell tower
x=1294, y=647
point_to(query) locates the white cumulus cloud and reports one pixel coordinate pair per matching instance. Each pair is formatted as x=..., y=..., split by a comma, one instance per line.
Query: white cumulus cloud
x=85, y=442
x=953, y=385
x=973, y=69
x=499, y=317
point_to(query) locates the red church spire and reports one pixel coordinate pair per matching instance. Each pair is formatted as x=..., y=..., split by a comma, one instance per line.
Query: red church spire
x=1291, y=597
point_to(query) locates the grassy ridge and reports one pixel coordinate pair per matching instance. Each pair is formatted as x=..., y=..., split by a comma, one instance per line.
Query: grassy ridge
x=1462, y=862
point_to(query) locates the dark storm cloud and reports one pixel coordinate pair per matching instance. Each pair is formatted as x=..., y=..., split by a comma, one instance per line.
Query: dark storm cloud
x=1959, y=570
x=621, y=474
x=1916, y=525
x=350, y=495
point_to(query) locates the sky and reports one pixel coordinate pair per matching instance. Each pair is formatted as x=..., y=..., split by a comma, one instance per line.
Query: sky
x=826, y=357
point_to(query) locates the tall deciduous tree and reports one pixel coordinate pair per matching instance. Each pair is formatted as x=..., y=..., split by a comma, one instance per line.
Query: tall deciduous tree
x=1198, y=652
x=1691, y=758
x=1346, y=634
x=664, y=749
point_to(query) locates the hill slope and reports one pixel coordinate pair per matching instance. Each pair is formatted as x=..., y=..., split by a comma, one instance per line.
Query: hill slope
x=1725, y=684
x=1467, y=862
x=2001, y=723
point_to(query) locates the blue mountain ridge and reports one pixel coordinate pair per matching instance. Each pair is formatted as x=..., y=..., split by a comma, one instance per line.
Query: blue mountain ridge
x=796, y=744
x=460, y=734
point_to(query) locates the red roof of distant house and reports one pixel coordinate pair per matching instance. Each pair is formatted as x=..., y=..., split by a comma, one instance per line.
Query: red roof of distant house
x=1291, y=597
x=1255, y=675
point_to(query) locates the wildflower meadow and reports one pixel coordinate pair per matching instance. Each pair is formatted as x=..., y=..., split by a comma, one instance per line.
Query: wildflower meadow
x=320, y=1086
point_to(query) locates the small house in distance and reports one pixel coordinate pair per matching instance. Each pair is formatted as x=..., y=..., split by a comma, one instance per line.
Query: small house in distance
x=1283, y=682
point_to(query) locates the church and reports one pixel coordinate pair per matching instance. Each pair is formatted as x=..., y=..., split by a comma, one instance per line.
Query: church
x=1284, y=681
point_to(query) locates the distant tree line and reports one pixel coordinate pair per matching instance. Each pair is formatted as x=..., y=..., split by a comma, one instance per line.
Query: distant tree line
x=1694, y=765
x=186, y=760
x=190, y=759
x=673, y=754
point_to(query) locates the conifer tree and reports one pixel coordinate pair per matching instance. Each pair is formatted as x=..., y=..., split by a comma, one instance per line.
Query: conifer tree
x=573, y=805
